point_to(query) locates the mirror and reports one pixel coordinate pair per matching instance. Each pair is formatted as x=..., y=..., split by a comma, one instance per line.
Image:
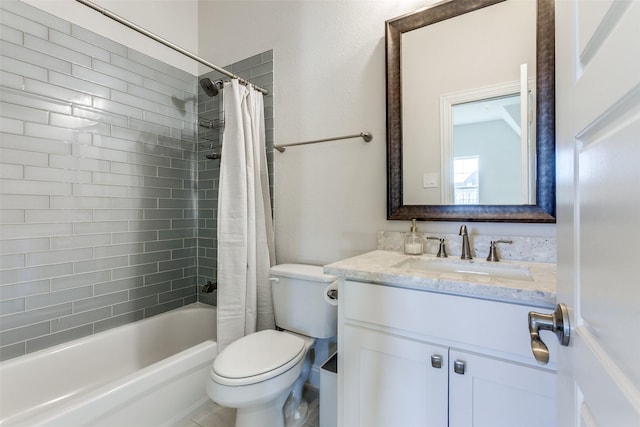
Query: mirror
x=423, y=138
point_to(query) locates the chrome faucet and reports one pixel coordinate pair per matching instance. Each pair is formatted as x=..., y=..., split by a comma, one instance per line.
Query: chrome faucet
x=466, y=249
x=493, y=254
x=442, y=250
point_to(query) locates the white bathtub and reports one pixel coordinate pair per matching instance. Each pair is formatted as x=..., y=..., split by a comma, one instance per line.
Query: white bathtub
x=147, y=373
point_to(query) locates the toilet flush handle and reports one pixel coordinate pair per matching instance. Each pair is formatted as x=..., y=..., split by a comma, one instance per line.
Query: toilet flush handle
x=274, y=279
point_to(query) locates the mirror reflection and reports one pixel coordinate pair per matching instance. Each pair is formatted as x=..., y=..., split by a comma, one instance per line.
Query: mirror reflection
x=487, y=154
x=468, y=86
x=456, y=67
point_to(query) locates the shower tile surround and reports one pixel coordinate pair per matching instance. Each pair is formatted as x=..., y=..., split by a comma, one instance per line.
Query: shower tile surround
x=98, y=192
x=103, y=220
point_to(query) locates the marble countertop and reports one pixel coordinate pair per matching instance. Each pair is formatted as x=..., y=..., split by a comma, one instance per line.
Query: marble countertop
x=379, y=267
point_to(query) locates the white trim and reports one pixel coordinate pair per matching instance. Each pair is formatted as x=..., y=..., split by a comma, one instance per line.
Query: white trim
x=447, y=101
x=524, y=135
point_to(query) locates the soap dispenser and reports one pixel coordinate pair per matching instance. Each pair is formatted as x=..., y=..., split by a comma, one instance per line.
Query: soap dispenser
x=412, y=242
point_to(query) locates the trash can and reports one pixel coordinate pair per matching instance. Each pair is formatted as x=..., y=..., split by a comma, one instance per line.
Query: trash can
x=329, y=392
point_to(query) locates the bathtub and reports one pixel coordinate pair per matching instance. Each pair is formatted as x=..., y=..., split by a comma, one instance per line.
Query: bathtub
x=147, y=373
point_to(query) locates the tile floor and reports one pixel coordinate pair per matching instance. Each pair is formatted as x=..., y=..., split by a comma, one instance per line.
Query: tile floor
x=212, y=415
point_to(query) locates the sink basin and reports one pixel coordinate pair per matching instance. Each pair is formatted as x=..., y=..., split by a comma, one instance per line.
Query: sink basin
x=493, y=270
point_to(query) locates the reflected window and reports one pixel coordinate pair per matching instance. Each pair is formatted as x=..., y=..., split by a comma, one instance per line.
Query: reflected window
x=466, y=182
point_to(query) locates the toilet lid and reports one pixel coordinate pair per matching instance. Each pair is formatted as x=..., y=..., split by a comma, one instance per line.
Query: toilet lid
x=263, y=354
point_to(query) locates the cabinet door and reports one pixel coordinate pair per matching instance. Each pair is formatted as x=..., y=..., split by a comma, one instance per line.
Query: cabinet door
x=390, y=381
x=496, y=393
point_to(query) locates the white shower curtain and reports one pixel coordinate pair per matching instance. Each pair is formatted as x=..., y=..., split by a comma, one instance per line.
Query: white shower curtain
x=245, y=229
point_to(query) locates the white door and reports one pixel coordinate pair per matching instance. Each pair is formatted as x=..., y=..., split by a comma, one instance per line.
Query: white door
x=598, y=165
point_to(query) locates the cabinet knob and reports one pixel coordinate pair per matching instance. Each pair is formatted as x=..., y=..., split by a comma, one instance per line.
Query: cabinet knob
x=436, y=361
x=458, y=367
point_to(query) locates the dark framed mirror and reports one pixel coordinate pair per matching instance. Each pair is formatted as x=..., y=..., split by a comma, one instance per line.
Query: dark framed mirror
x=542, y=208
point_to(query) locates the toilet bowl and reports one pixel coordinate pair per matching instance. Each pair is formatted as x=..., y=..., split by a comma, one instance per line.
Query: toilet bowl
x=256, y=374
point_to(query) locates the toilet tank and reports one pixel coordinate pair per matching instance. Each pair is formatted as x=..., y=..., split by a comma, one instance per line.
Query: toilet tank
x=298, y=300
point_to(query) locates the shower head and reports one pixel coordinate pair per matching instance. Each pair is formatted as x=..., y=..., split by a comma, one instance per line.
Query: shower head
x=210, y=87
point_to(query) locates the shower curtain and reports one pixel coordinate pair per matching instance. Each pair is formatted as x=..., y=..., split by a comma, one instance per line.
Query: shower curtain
x=245, y=229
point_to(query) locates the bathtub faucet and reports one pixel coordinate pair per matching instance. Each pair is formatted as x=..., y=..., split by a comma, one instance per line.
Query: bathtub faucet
x=209, y=287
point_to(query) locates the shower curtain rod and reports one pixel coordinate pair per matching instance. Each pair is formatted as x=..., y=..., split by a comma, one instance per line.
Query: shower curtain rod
x=367, y=136
x=167, y=43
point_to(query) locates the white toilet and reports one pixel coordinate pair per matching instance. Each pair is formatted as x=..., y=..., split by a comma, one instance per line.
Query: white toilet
x=256, y=374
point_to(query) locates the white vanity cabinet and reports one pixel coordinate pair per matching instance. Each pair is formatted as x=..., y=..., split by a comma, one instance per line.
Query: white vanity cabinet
x=497, y=392
x=411, y=358
x=389, y=380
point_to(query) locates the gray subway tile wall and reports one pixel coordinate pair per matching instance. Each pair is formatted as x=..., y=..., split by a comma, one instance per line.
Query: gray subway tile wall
x=107, y=204
x=98, y=196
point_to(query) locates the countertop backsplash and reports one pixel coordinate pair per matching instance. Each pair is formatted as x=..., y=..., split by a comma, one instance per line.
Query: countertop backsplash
x=523, y=248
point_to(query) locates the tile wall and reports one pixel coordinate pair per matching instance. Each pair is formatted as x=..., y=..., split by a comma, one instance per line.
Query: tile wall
x=259, y=70
x=107, y=203
x=98, y=189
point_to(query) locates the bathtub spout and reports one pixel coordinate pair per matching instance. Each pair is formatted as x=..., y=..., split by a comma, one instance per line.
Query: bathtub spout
x=209, y=287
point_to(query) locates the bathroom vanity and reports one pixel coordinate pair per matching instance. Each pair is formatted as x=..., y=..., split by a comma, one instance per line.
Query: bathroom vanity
x=424, y=341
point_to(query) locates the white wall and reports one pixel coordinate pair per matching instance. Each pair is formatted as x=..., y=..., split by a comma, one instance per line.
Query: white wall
x=173, y=20
x=330, y=199
x=329, y=72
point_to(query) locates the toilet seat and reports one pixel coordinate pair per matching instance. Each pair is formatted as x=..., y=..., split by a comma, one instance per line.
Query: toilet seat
x=257, y=357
